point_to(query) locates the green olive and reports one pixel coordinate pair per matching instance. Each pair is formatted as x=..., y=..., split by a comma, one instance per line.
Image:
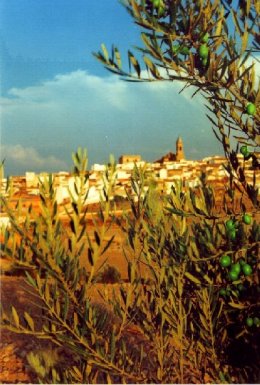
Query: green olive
x=203, y=51
x=230, y=224
x=247, y=269
x=251, y=109
x=249, y=321
x=225, y=261
x=156, y=3
x=256, y=321
x=175, y=48
x=204, y=62
x=205, y=38
x=244, y=150
x=233, y=275
x=247, y=219
x=236, y=267
x=242, y=261
x=222, y=292
x=232, y=234
x=185, y=50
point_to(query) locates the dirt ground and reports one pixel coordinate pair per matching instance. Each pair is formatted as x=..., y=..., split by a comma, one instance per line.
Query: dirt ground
x=14, y=348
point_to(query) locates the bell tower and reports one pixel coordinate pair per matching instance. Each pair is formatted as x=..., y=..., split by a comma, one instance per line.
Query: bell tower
x=179, y=149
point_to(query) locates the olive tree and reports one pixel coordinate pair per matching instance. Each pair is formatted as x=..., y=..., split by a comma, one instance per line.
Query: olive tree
x=189, y=301
x=208, y=45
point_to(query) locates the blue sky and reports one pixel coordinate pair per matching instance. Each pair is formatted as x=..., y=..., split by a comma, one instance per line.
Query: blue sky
x=56, y=96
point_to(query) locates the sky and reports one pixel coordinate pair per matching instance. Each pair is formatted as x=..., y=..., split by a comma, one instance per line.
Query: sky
x=55, y=96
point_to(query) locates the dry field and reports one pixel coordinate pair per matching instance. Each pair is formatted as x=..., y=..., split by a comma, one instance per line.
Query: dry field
x=14, y=290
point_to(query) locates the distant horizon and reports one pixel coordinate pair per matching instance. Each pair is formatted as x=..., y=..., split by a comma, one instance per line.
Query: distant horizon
x=90, y=165
x=36, y=169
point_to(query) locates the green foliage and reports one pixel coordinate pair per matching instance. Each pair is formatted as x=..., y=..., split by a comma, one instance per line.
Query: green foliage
x=178, y=316
x=109, y=274
x=43, y=363
x=207, y=45
x=184, y=315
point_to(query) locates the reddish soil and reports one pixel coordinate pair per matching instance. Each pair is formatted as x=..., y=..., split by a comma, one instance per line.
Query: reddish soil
x=14, y=348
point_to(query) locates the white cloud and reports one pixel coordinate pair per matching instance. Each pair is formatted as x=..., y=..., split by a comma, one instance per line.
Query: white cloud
x=70, y=87
x=104, y=114
x=29, y=158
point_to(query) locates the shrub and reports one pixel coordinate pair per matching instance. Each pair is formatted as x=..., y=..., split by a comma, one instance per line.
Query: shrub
x=183, y=316
x=109, y=274
x=169, y=323
x=205, y=45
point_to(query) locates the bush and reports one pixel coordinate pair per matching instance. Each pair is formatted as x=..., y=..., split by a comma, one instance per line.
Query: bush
x=109, y=274
x=171, y=322
x=183, y=316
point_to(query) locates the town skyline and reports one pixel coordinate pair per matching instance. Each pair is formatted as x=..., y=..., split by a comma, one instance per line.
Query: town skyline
x=163, y=175
x=169, y=157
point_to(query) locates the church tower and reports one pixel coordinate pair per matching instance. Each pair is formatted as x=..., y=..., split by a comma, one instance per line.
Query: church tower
x=179, y=149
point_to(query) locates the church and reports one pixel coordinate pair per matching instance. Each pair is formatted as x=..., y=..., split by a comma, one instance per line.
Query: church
x=171, y=157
